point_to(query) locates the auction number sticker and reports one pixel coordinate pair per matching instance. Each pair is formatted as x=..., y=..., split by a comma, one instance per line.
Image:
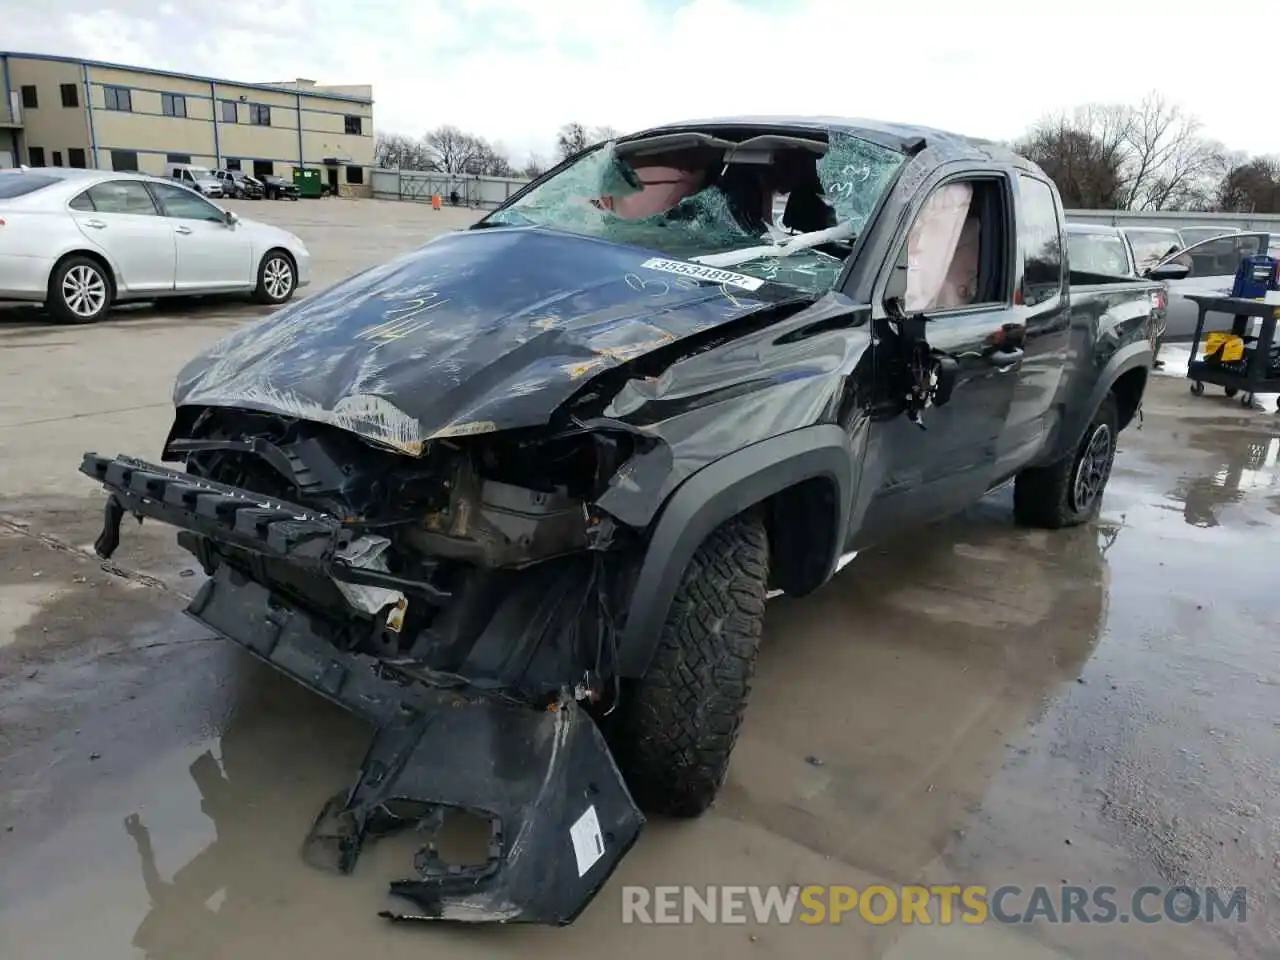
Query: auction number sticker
x=699, y=272
x=588, y=843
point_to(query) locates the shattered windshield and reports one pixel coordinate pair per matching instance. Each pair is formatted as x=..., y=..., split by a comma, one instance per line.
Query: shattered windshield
x=785, y=214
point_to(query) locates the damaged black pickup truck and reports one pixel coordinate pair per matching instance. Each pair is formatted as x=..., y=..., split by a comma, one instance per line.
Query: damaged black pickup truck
x=518, y=497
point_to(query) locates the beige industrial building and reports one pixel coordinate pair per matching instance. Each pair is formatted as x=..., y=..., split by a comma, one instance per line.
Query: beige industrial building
x=60, y=111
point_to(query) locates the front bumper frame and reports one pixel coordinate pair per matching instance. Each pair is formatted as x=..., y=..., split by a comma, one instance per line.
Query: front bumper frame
x=560, y=815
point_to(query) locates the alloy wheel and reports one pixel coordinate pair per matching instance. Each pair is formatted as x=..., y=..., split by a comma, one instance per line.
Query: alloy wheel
x=84, y=291
x=277, y=277
x=1093, y=468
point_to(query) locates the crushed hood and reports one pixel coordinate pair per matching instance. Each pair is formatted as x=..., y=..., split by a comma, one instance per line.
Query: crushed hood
x=477, y=331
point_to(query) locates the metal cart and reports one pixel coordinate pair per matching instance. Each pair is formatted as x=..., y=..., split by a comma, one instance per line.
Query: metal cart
x=1249, y=381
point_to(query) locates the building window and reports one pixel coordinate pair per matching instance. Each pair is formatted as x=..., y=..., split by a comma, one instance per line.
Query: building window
x=229, y=114
x=118, y=98
x=260, y=114
x=70, y=95
x=353, y=125
x=173, y=104
x=35, y=156
x=233, y=163
x=263, y=168
x=123, y=160
x=76, y=158
x=57, y=158
x=177, y=158
x=29, y=98
x=355, y=174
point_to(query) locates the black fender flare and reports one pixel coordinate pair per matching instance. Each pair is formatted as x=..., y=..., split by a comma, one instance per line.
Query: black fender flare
x=1122, y=361
x=712, y=495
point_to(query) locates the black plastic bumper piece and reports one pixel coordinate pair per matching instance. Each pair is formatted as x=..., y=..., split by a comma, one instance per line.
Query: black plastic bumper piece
x=560, y=815
x=224, y=513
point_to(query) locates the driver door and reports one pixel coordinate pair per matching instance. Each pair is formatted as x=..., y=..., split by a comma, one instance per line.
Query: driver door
x=958, y=257
x=212, y=254
x=1213, y=266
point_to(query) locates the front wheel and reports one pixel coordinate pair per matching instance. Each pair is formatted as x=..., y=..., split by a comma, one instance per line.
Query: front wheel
x=79, y=291
x=1069, y=492
x=277, y=278
x=680, y=722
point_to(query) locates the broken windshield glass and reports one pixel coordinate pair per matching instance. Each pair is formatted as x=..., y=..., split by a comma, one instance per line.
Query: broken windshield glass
x=694, y=205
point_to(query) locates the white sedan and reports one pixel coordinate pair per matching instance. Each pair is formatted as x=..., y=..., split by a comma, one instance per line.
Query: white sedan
x=80, y=240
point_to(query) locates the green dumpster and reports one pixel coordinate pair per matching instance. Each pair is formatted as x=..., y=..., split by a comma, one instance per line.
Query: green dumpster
x=307, y=182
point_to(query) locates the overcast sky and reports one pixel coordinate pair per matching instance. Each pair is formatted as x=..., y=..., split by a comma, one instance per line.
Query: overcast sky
x=514, y=70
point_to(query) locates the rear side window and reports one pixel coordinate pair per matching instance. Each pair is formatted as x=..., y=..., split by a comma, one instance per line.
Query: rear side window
x=20, y=184
x=122, y=196
x=1102, y=253
x=1040, y=237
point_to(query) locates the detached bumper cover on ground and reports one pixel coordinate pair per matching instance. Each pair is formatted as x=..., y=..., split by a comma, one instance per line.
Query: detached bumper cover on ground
x=560, y=814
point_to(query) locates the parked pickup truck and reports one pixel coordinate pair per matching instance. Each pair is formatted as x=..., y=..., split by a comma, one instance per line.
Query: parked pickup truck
x=518, y=497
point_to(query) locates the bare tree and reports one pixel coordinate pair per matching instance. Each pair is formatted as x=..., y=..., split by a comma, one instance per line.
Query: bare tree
x=491, y=160
x=454, y=151
x=1169, y=161
x=1082, y=164
x=395, y=150
x=1146, y=157
x=571, y=139
x=534, y=166
x=1251, y=186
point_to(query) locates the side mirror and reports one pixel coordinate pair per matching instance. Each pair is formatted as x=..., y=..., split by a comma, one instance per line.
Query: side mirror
x=1168, y=271
x=229, y=218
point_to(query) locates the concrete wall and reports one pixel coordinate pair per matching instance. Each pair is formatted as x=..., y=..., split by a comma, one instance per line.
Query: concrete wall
x=49, y=125
x=1177, y=219
x=421, y=186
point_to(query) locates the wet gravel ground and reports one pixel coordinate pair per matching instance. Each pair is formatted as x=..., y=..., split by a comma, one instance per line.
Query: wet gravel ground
x=976, y=704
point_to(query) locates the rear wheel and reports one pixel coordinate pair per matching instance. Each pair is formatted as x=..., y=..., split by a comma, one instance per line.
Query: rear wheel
x=1069, y=492
x=79, y=291
x=277, y=278
x=679, y=723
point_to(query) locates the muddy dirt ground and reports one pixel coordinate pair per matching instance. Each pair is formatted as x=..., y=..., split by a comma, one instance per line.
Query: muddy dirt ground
x=976, y=704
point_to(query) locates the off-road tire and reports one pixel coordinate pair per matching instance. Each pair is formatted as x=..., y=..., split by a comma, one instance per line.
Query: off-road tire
x=268, y=290
x=679, y=723
x=97, y=277
x=1047, y=496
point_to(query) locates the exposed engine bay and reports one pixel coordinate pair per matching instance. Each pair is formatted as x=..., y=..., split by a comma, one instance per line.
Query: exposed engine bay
x=441, y=556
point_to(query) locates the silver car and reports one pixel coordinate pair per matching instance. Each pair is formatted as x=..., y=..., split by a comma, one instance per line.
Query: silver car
x=80, y=240
x=1212, y=266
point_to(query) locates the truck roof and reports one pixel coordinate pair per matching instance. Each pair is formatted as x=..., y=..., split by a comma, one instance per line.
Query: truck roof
x=907, y=138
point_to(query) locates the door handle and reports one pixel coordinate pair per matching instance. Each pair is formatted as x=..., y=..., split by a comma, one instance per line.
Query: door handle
x=183, y=230
x=96, y=224
x=1004, y=359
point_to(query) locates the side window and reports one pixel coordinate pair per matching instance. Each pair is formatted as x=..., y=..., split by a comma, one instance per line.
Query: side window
x=82, y=202
x=185, y=205
x=122, y=196
x=1040, y=237
x=1219, y=257
x=957, y=248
